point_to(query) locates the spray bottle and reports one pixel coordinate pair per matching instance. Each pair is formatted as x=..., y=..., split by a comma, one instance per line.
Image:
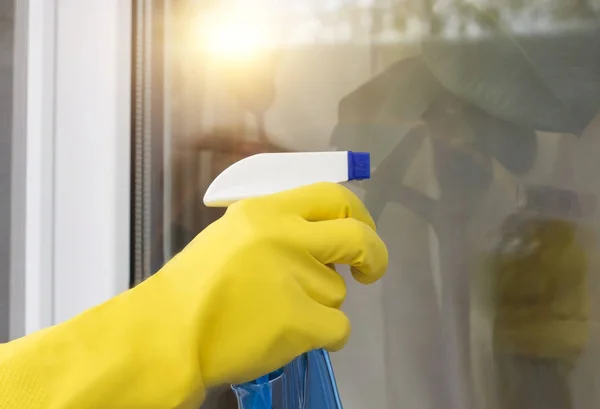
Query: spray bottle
x=308, y=382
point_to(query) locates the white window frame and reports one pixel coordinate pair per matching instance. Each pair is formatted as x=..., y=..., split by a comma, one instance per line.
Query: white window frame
x=75, y=250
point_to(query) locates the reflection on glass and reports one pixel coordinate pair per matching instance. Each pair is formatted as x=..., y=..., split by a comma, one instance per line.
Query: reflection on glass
x=482, y=120
x=542, y=309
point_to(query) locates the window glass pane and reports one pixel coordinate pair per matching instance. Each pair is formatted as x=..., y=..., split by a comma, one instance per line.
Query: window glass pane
x=482, y=120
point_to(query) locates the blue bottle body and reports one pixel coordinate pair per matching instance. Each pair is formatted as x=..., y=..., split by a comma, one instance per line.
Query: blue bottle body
x=308, y=382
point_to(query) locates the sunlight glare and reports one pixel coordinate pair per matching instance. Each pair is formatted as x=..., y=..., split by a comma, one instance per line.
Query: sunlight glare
x=235, y=38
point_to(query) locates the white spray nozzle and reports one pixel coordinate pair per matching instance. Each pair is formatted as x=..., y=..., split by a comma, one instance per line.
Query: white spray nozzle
x=269, y=173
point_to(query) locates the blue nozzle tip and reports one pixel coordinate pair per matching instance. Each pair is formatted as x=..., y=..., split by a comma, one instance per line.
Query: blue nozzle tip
x=359, y=165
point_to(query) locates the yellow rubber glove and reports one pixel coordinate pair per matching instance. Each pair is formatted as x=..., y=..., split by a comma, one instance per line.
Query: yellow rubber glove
x=250, y=293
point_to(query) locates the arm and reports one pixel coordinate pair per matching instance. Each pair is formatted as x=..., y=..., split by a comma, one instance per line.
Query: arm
x=126, y=353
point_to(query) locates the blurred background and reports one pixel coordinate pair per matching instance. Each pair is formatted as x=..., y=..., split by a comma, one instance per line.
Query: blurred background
x=482, y=121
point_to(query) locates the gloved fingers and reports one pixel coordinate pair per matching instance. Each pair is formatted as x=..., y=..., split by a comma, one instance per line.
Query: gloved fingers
x=323, y=284
x=323, y=201
x=321, y=327
x=351, y=242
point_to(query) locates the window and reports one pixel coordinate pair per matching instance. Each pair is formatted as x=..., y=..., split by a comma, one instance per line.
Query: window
x=482, y=120
x=9, y=295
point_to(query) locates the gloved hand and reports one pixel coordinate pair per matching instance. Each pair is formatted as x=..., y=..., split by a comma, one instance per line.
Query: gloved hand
x=250, y=293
